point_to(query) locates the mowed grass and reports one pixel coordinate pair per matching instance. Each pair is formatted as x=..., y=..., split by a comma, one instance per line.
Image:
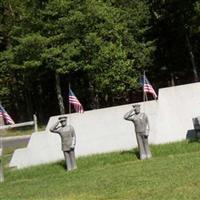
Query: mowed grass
x=28, y=130
x=172, y=174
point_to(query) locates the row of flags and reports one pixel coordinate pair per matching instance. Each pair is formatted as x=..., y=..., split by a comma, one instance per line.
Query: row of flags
x=147, y=88
x=73, y=100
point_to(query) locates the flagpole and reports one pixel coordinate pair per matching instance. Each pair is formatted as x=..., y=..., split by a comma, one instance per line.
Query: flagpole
x=144, y=94
x=69, y=104
x=145, y=97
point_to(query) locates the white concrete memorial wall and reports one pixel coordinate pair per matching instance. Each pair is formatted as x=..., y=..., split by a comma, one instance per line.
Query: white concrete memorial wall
x=105, y=130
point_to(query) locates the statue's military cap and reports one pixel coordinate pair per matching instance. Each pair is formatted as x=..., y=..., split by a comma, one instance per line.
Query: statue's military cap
x=136, y=105
x=62, y=118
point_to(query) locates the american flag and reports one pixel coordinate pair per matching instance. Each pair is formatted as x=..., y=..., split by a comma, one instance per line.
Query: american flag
x=75, y=102
x=6, y=117
x=147, y=87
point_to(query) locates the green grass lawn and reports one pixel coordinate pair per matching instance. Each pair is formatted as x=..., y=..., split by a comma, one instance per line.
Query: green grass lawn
x=172, y=174
x=20, y=131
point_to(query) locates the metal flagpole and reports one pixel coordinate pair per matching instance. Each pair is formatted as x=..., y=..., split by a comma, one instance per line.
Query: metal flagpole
x=144, y=93
x=143, y=87
x=69, y=105
x=145, y=97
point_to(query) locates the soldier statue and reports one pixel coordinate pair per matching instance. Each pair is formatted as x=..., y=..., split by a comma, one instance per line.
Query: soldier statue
x=68, y=139
x=141, y=123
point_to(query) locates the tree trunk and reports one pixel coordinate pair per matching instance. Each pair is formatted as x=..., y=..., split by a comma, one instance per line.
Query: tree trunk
x=172, y=79
x=15, y=95
x=59, y=95
x=28, y=108
x=194, y=69
x=95, y=97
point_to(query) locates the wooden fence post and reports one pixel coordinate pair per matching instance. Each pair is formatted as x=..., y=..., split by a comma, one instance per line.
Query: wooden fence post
x=35, y=122
x=1, y=165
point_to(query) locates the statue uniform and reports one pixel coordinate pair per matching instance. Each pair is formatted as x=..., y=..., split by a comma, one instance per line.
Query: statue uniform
x=68, y=140
x=140, y=121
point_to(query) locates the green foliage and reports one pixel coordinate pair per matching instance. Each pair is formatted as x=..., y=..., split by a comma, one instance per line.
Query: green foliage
x=22, y=131
x=103, y=40
x=173, y=21
x=101, y=47
x=28, y=51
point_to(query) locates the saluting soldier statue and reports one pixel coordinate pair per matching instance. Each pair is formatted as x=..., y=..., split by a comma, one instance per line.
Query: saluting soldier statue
x=141, y=123
x=68, y=139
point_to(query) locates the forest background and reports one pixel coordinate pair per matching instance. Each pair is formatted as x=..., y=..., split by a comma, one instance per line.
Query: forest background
x=100, y=47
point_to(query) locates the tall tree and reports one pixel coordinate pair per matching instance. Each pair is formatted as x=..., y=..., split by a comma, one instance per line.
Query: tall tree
x=172, y=22
x=101, y=46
